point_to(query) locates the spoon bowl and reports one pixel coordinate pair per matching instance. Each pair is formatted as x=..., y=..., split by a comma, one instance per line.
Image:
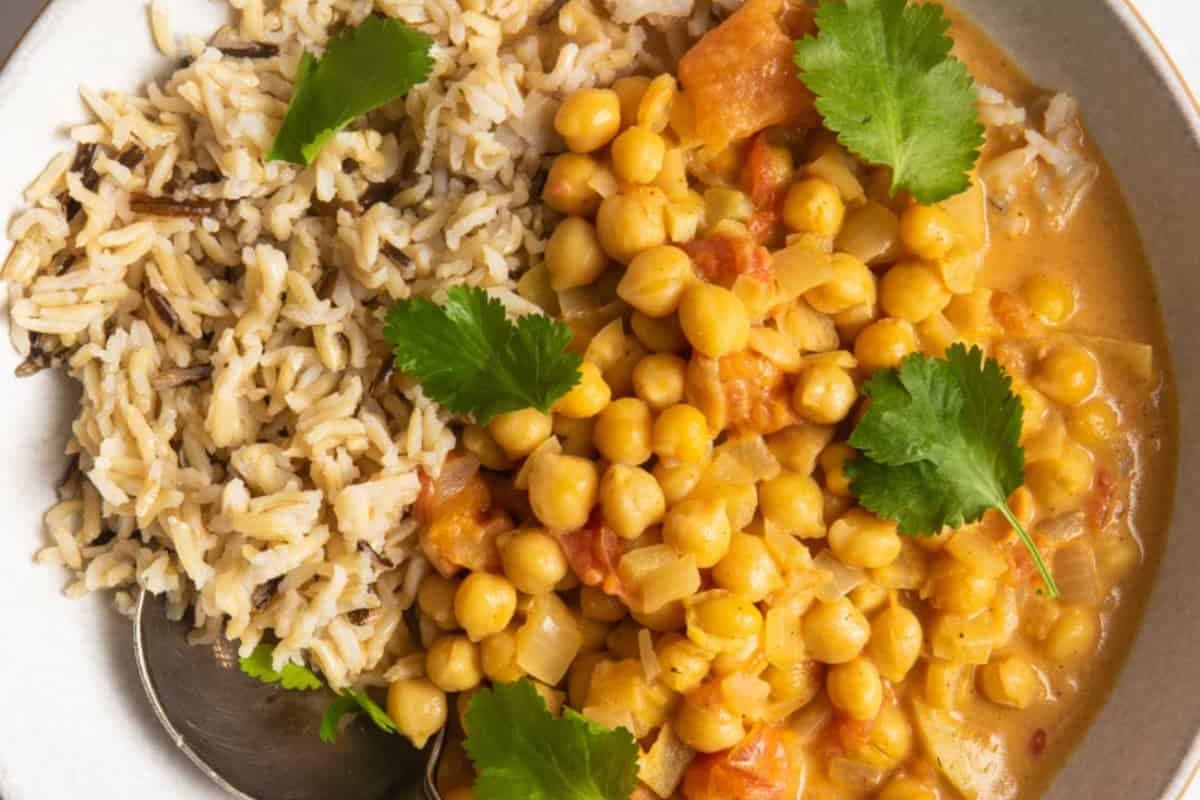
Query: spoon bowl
x=259, y=742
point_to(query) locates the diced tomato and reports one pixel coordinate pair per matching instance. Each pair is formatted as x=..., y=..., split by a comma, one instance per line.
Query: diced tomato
x=762, y=225
x=1101, y=503
x=767, y=173
x=593, y=552
x=1014, y=315
x=758, y=397
x=721, y=257
x=460, y=528
x=762, y=767
x=456, y=473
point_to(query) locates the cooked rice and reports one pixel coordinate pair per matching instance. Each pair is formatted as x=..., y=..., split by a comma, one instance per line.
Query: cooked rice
x=223, y=314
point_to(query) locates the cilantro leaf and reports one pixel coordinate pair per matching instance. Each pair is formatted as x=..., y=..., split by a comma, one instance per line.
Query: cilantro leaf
x=887, y=85
x=349, y=702
x=940, y=445
x=472, y=360
x=522, y=752
x=292, y=677
x=363, y=69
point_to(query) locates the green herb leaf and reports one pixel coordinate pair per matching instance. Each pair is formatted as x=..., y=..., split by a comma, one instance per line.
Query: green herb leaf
x=292, y=676
x=472, y=360
x=349, y=702
x=887, y=85
x=940, y=445
x=522, y=752
x=363, y=69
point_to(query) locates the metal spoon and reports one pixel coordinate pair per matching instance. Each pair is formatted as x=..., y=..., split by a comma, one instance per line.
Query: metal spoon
x=258, y=742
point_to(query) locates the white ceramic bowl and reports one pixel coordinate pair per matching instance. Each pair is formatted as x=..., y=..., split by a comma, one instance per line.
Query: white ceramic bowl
x=73, y=721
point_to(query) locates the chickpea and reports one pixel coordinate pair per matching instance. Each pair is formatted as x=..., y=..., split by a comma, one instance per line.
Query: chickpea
x=484, y=604
x=1117, y=556
x=884, y=344
x=453, y=664
x=958, y=590
x=1010, y=682
x=1050, y=297
x=1073, y=635
x=868, y=597
x=568, y=185
x=638, y=154
x=588, y=397
x=630, y=91
x=658, y=335
x=631, y=500
x=677, y=479
x=800, y=683
x=853, y=285
x=891, y=743
x=574, y=256
x=836, y=632
x=520, y=432
x=435, y=599
x=714, y=320
x=655, y=280
x=594, y=604
x=1068, y=375
x=684, y=665
x=654, y=109
x=912, y=292
x=794, y=504
x=798, y=446
x=928, y=232
x=855, y=688
x=631, y=222
x=623, y=431
x=862, y=539
x=814, y=205
x=833, y=464
x=706, y=725
x=824, y=394
x=699, y=527
x=906, y=789
x=534, y=561
x=418, y=708
x=562, y=490
x=747, y=569
x=895, y=644
x=498, y=657
x=1093, y=423
x=588, y=119
x=1059, y=484
x=659, y=380
x=681, y=434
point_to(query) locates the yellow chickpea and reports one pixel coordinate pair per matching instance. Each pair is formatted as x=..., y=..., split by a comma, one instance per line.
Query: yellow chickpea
x=714, y=320
x=631, y=500
x=623, y=431
x=598, y=606
x=836, y=632
x=534, y=561
x=435, y=599
x=728, y=616
x=906, y=789
x=484, y=604
x=959, y=590
x=630, y=91
x=884, y=344
x=833, y=465
x=793, y=503
x=684, y=665
x=814, y=205
x=868, y=597
x=706, y=725
x=1117, y=556
x=895, y=643
x=1059, y=484
x=1010, y=682
x=659, y=380
x=1093, y=423
x=796, y=684
x=699, y=527
x=1068, y=375
x=747, y=569
x=912, y=292
x=574, y=256
x=1050, y=297
x=677, y=479
x=562, y=490
x=1073, y=636
x=891, y=743
x=928, y=232
x=453, y=664
x=681, y=434
x=855, y=688
x=588, y=119
x=568, y=185
x=588, y=397
x=824, y=394
x=655, y=280
x=853, y=285
x=520, y=432
x=862, y=539
x=654, y=109
x=498, y=657
x=631, y=222
x=418, y=708
x=637, y=155
x=658, y=335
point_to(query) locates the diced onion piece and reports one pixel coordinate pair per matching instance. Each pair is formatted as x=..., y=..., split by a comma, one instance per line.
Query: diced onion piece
x=534, y=286
x=799, y=269
x=784, y=638
x=843, y=578
x=672, y=582
x=663, y=767
x=549, y=640
x=978, y=553
x=744, y=460
x=972, y=762
x=812, y=721
x=1076, y=573
x=788, y=551
x=747, y=693
x=637, y=564
x=809, y=329
x=871, y=233
x=1005, y=616
x=649, y=659
x=1062, y=529
x=758, y=296
x=550, y=446
x=955, y=637
x=854, y=774
x=832, y=168
x=609, y=716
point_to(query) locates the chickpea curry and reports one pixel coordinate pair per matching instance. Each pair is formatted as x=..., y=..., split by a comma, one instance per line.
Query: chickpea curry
x=683, y=545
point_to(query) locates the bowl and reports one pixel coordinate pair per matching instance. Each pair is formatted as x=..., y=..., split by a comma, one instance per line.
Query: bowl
x=75, y=722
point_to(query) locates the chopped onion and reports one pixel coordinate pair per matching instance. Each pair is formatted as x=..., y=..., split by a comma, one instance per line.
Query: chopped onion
x=855, y=774
x=747, y=693
x=832, y=168
x=650, y=665
x=1076, y=574
x=638, y=563
x=744, y=460
x=783, y=637
x=1061, y=529
x=670, y=583
x=612, y=717
x=549, y=640
x=843, y=578
x=799, y=269
x=810, y=722
x=663, y=767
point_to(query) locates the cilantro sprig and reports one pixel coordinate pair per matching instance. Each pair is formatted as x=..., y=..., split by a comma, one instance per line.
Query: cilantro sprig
x=294, y=677
x=472, y=360
x=887, y=84
x=363, y=68
x=939, y=445
x=522, y=752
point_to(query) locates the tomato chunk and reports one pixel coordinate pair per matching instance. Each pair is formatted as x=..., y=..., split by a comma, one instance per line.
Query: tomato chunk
x=461, y=524
x=762, y=767
x=721, y=257
x=758, y=396
x=593, y=552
